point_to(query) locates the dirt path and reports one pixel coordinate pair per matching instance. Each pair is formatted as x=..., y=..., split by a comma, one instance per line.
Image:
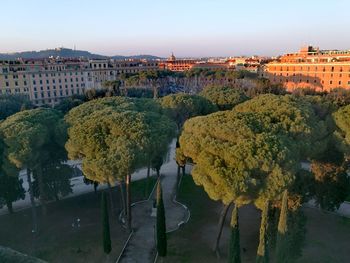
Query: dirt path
x=141, y=246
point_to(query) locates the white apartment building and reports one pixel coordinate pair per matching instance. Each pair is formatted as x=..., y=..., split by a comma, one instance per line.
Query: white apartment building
x=49, y=81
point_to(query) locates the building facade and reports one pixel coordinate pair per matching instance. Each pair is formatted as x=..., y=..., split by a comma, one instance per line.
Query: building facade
x=322, y=70
x=50, y=80
x=174, y=64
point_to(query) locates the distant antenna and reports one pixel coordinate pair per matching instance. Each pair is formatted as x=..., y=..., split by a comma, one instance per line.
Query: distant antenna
x=74, y=47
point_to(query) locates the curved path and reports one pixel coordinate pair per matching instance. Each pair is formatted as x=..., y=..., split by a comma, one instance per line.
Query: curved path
x=141, y=246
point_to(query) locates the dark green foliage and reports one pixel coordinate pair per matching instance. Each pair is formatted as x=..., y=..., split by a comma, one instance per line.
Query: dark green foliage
x=56, y=181
x=282, y=246
x=139, y=92
x=106, y=236
x=264, y=86
x=11, y=104
x=262, y=254
x=11, y=190
x=331, y=184
x=157, y=163
x=180, y=107
x=161, y=224
x=224, y=97
x=272, y=229
x=67, y=104
x=339, y=97
x=296, y=234
x=112, y=88
x=234, y=248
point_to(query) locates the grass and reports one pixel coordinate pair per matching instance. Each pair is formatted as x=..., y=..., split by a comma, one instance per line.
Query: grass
x=327, y=237
x=57, y=240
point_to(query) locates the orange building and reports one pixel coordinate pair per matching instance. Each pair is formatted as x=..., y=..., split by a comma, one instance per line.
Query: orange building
x=174, y=64
x=322, y=70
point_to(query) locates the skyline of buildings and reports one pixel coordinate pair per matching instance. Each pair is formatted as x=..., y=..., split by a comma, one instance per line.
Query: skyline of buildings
x=47, y=81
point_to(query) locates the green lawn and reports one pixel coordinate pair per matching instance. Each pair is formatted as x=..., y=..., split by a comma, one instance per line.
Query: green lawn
x=327, y=237
x=57, y=240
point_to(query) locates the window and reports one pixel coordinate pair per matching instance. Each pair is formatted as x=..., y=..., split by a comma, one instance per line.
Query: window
x=330, y=82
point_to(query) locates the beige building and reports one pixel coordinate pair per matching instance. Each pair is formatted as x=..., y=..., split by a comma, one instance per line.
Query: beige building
x=49, y=81
x=321, y=70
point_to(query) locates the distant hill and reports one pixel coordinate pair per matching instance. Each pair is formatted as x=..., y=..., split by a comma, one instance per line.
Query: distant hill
x=149, y=57
x=66, y=53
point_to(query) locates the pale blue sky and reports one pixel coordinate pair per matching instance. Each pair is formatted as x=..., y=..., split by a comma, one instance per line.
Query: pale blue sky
x=186, y=27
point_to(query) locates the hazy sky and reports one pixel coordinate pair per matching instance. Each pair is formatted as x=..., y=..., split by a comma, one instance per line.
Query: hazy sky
x=186, y=27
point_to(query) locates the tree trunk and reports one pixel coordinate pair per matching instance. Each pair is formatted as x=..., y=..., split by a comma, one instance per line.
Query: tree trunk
x=122, y=197
x=9, y=206
x=158, y=173
x=128, y=202
x=178, y=178
x=111, y=197
x=183, y=170
x=221, y=224
x=95, y=187
x=148, y=179
x=42, y=194
x=31, y=194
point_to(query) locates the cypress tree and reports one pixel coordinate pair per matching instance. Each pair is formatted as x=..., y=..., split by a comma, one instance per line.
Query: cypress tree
x=161, y=225
x=262, y=254
x=106, y=236
x=235, y=250
x=282, y=235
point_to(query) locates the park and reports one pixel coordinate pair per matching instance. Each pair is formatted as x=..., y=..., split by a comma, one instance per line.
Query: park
x=225, y=175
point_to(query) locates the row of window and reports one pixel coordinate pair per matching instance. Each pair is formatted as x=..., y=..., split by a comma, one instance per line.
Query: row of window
x=59, y=81
x=331, y=82
x=7, y=84
x=55, y=94
x=308, y=68
x=17, y=90
x=82, y=85
x=340, y=75
x=40, y=75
